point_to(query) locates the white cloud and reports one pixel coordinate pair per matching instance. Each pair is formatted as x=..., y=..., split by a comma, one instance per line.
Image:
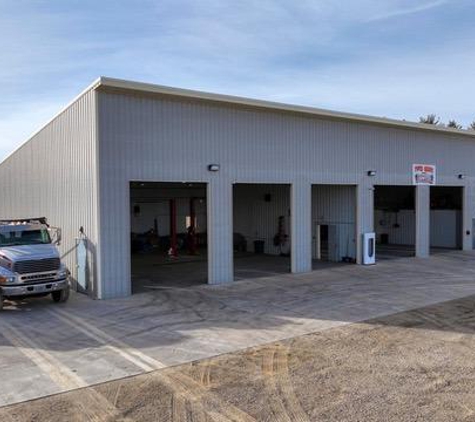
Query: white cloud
x=409, y=9
x=401, y=86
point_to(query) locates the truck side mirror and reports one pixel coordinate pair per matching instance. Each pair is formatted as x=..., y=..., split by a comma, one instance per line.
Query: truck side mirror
x=55, y=234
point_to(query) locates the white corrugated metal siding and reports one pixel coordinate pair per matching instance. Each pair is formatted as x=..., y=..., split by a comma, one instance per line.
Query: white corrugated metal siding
x=54, y=175
x=262, y=146
x=150, y=138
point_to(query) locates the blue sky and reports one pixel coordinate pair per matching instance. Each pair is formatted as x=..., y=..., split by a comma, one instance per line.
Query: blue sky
x=394, y=58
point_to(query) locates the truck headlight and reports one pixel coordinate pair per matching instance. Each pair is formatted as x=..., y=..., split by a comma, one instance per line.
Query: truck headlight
x=63, y=273
x=6, y=279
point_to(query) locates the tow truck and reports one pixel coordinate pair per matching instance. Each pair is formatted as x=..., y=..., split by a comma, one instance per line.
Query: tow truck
x=30, y=263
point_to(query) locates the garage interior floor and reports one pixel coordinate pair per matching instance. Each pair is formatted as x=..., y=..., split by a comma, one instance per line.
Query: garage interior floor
x=47, y=348
x=154, y=271
x=385, y=252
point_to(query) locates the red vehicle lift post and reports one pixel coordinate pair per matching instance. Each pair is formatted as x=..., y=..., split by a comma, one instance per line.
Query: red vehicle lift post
x=173, y=252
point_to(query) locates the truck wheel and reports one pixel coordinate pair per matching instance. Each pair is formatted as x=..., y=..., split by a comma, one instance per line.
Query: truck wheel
x=61, y=296
x=1, y=302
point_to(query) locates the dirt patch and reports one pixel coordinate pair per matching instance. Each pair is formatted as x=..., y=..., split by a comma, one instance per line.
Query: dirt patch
x=413, y=366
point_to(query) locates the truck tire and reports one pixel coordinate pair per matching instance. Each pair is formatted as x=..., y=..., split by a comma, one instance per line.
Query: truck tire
x=1, y=302
x=61, y=296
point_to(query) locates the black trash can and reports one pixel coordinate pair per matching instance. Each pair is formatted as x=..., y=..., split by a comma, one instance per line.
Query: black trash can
x=259, y=246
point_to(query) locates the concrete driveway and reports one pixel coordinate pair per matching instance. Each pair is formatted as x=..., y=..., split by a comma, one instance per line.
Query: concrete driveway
x=47, y=348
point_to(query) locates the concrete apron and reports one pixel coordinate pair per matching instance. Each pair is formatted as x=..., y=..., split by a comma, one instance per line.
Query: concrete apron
x=47, y=349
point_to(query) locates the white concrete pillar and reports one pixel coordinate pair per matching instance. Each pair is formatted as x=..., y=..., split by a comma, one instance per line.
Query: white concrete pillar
x=468, y=216
x=220, y=232
x=422, y=221
x=301, y=227
x=364, y=216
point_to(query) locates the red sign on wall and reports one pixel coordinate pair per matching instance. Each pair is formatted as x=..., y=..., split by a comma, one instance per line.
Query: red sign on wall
x=423, y=174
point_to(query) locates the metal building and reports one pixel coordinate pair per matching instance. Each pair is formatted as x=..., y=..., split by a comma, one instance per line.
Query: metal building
x=125, y=157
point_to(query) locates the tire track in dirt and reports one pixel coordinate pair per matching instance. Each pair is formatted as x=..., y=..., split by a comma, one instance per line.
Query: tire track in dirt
x=93, y=405
x=293, y=403
x=7, y=417
x=283, y=401
x=273, y=396
x=455, y=325
x=205, y=374
x=197, y=413
x=207, y=401
x=184, y=388
x=436, y=322
x=186, y=408
x=445, y=323
x=178, y=409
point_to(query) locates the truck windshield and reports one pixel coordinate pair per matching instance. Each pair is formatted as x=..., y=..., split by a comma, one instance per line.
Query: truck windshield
x=25, y=237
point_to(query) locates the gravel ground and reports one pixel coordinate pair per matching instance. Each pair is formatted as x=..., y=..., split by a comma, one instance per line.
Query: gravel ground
x=412, y=366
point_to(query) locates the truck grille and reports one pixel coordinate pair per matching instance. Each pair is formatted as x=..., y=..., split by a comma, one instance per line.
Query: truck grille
x=37, y=266
x=34, y=278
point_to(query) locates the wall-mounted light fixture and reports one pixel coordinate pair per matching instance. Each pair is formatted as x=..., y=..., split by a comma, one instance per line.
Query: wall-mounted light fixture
x=371, y=173
x=461, y=176
x=213, y=167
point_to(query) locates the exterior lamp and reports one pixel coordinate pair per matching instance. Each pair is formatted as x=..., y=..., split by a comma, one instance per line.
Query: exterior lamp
x=461, y=176
x=213, y=167
x=371, y=173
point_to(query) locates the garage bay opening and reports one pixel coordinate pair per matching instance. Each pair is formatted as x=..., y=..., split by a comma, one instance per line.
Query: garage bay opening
x=333, y=224
x=168, y=235
x=394, y=221
x=446, y=218
x=261, y=234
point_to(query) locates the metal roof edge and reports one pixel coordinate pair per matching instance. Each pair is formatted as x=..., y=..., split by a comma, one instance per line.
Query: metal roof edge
x=90, y=87
x=250, y=102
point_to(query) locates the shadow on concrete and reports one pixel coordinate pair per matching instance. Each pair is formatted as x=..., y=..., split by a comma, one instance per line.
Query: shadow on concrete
x=455, y=316
x=180, y=324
